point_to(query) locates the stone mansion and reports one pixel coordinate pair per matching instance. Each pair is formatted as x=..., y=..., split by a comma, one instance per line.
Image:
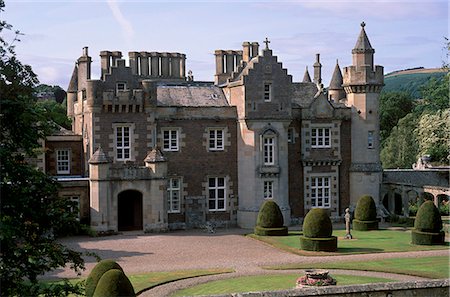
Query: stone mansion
x=152, y=149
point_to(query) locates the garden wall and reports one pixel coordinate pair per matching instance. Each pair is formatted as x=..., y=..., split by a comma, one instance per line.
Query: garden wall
x=429, y=288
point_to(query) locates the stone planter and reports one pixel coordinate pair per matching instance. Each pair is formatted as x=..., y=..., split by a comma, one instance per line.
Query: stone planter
x=315, y=278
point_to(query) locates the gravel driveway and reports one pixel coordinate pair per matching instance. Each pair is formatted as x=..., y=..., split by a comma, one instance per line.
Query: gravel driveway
x=137, y=252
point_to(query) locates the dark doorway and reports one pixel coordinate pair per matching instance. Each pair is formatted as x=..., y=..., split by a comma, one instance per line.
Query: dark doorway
x=129, y=210
x=398, y=204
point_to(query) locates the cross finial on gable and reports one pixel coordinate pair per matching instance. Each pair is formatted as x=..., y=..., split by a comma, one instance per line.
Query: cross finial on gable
x=363, y=24
x=267, y=43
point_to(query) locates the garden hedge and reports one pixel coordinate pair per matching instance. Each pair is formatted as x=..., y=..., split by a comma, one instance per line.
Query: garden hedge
x=96, y=273
x=317, y=232
x=114, y=283
x=270, y=220
x=365, y=214
x=428, y=226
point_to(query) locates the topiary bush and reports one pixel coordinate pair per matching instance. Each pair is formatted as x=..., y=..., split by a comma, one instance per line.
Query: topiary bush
x=96, y=273
x=270, y=220
x=114, y=283
x=365, y=214
x=317, y=232
x=428, y=225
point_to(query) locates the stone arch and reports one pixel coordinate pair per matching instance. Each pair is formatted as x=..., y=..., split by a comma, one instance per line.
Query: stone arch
x=130, y=210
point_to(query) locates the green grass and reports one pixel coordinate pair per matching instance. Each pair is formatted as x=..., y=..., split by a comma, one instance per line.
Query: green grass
x=265, y=283
x=146, y=281
x=430, y=267
x=377, y=241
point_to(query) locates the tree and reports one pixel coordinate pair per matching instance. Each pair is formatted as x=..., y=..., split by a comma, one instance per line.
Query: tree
x=31, y=213
x=55, y=111
x=393, y=107
x=435, y=95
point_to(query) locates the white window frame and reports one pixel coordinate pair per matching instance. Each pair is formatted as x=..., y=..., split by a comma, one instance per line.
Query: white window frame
x=174, y=195
x=217, y=193
x=171, y=140
x=267, y=92
x=268, y=147
x=63, y=157
x=320, y=187
x=123, y=145
x=321, y=137
x=370, y=139
x=216, y=139
x=268, y=189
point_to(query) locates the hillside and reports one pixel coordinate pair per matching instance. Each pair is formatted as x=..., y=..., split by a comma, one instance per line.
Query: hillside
x=410, y=80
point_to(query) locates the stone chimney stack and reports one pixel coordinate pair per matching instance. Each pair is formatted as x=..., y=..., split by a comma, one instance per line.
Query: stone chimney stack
x=317, y=70
x=84, y=69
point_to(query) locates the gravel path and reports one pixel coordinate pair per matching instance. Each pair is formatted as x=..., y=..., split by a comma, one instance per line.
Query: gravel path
x=194, y=249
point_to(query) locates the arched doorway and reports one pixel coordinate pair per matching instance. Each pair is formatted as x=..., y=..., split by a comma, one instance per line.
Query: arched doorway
x=129, y=210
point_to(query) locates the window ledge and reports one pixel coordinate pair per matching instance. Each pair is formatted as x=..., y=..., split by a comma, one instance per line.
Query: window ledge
x=269, y=170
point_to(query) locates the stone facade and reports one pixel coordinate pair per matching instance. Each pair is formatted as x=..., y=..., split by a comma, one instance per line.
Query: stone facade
x=161, y=151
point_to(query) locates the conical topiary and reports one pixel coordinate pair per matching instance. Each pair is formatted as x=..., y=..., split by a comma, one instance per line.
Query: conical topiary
x=270, y=220
x=365, y=214
x=317, y=232
x=96, y=273
x=428, y=225
x=114, y=283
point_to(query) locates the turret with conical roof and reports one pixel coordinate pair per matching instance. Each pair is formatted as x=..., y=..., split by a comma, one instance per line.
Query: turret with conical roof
x=363, y=51
x=306, y=77
x=72, y=90
x=336, y=90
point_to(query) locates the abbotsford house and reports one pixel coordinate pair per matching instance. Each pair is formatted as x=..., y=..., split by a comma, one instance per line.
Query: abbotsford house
x=152, y=149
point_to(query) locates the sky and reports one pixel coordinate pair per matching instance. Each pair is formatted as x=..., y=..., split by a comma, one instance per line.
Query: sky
x=404, y=34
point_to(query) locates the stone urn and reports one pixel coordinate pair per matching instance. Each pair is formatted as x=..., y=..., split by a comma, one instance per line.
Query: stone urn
x=315, y=278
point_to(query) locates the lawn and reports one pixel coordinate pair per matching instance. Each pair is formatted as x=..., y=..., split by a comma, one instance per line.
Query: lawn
x=430, y=267
x=377, y=241
x=265, y=283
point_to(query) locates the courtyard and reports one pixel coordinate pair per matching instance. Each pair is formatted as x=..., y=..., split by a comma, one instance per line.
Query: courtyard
x=227, y=250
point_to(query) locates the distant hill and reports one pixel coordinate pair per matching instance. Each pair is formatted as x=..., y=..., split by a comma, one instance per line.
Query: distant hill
x=410, y=80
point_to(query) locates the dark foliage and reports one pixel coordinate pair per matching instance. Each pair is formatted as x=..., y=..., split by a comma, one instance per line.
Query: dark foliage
x=114, y=283
x=317, y=224
x=97, y=273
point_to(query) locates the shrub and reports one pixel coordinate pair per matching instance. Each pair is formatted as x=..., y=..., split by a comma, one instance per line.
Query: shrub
x=428, y=218
x=317, y=224
x=366, y=210
x=444, y=209
x=96, y=274
x=270, y=215
x=114, y=283
x=413, y=208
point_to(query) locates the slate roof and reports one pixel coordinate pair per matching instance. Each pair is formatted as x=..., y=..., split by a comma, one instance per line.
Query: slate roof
x=420, y=178
x=303, y=93
x=306, y=77
x=73, y=84
x=363, y=44
x=195, y=95
x=99, y=157
x=155, y=155
x=336, y=79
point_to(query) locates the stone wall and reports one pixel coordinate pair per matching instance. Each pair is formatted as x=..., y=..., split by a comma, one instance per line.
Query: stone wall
x=431, y=288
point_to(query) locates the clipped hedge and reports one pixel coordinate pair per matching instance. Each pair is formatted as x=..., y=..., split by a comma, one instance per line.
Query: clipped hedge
x=270, y=220
x=365, y=214
x=428, y=226
x=317, y=224
x=318, y=244
x=114, y=283
x=317, y=232
x=96, y=273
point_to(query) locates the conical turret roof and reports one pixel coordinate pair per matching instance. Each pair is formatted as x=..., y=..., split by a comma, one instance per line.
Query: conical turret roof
x=336, y=79
x=306, y=77
x=73, y=84
x=99, y=157
x=363, y=44
x=155, y=155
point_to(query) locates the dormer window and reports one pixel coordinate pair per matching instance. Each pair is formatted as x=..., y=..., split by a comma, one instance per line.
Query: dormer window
x=267, y=92
x=121, y=86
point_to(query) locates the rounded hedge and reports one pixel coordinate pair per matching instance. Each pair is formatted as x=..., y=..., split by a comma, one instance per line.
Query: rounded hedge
x=270, y=215
x=96, y=273
x=317, y=224
x=366, y=210
x=318, y=244
x=428, y=218
x=114, y=283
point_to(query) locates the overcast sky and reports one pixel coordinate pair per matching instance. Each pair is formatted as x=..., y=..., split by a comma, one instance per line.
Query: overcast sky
x=405, y=34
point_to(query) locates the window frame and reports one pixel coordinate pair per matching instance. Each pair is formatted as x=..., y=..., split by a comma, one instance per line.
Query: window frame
x=171, y=189
x=216, y=146
x=62, y=162
x=325, y=191
x=370, y=139
x=268, y=149
x=268, y=189
x=122, y=148
x=124, y=83
x=171, y=147
x=216, y=189
x=291, y=135
x=267, y=93
x=320, y=141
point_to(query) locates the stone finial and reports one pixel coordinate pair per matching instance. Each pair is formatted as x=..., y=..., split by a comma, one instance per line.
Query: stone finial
x=190, y=76
x=154, y=156
x=99, y=157
x=363, y=24
x=267, y=43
